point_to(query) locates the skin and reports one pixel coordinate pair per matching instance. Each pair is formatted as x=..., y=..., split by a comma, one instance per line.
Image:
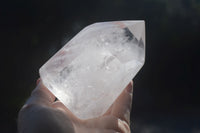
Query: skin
x=41, y=114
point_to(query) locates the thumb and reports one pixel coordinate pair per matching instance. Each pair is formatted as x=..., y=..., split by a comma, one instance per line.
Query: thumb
x=41, y=96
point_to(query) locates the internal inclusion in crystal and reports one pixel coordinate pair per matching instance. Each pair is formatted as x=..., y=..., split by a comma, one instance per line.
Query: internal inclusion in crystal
x=131, y=37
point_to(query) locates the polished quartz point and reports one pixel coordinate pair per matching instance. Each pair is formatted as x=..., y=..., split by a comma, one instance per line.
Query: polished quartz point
x=92, y=69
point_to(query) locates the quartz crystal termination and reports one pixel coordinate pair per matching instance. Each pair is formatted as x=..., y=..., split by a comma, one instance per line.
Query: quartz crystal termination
x=92, y=69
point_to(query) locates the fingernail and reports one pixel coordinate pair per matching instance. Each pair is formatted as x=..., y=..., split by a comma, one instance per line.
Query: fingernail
x=38, y=81
x=130, y=87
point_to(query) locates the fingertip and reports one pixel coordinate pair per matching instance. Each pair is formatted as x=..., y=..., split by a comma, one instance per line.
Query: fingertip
x=41, y=92
x=129, y=87
x=131, y=83
x=123, y=104
x=38, y=81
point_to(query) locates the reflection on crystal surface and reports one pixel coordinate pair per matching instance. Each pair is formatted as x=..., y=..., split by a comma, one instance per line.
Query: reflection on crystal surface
x=92, y=69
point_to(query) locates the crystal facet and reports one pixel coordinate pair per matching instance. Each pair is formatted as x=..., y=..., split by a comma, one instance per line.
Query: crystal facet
x=91, y=70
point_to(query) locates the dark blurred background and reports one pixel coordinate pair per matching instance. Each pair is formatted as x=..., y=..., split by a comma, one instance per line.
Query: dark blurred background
x=166, y=90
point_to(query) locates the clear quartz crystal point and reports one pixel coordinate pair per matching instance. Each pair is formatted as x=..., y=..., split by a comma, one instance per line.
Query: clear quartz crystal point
x=92, y=69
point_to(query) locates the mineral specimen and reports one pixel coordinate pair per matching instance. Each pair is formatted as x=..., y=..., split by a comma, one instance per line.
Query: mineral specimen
x=92, y=69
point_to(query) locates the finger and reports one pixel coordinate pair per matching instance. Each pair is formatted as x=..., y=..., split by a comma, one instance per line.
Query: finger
x=41, y=95
x=60, y=105
x=38, y=81
x=111, y=122
x=100, y=131
x=108, y=112
x=104, y=131
x=121, y=108
x=108, y=122
x=63, y=108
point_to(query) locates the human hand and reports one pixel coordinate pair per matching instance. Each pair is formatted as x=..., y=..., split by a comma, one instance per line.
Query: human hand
x=42, y=114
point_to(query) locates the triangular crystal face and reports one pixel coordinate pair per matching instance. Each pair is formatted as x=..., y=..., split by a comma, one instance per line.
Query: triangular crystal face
x=91, y=70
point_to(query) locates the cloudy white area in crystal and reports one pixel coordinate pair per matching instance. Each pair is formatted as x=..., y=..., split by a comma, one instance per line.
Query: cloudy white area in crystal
x=92, y=69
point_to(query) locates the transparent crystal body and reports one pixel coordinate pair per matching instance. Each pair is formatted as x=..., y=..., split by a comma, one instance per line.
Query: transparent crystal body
x=92, y=69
